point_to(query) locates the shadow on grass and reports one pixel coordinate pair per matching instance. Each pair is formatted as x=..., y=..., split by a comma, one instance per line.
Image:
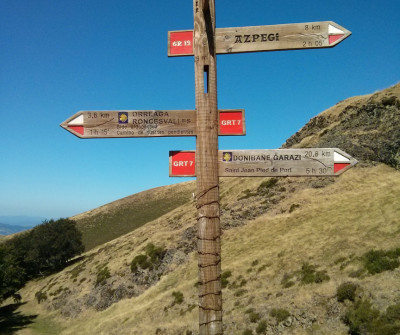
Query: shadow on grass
x=12, y=321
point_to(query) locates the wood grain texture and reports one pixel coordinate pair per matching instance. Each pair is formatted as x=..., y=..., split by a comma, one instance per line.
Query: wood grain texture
x=209, y=231
x=307, y=162
x=146, y=123
x=292, y=36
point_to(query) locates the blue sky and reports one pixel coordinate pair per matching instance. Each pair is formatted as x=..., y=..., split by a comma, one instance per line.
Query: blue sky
x=60, y=57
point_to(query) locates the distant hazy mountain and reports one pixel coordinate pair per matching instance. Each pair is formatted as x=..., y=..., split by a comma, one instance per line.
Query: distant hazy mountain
x=6, y=229
x=21, y=220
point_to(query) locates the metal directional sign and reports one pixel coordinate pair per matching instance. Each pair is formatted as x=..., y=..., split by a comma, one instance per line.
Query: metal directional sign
x=268, y=163
x=310, y=35
x=151, y=123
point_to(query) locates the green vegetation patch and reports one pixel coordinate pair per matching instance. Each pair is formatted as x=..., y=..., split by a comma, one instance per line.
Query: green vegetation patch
x=77, y=270
x=363, y=318
x=150, y=260
x=262, y=327
x=293, y=207
x=346, y=291
x=377, y=261
x=102, y=275
x=309, y=274
x=262, y=190
x=266, y=185
x=254, y=317
x=279, y=314
x=40, y=296
x=178, y=297
x=224, y=278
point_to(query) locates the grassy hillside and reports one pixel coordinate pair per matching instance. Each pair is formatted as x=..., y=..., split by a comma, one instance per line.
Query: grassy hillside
x=112, y=220
x=366, y=127
x=331, y=228
x=288, y=245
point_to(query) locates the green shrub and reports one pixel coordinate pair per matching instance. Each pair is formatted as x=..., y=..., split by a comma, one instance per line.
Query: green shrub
x=247, y=332
x=254, y=263
x=40, y=296
x=102, y=275
x=377, y=261
x=309, y=275
x=254, y=317
x=279, y=314
x=293, y=207
x=155, y=253
x=267, y=184
x=150, y=260
x=286, y=280
x=346, y=291
x=261, y=327
x=240, y=292
x=362, y=318
x=140, y=261
x=178, y=297
x=393, y=313
x=247, y=194
x=224, y=278
x=77, y=270
x=262, y=268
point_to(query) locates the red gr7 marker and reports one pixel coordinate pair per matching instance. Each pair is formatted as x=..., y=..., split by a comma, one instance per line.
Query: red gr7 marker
x=182, y=164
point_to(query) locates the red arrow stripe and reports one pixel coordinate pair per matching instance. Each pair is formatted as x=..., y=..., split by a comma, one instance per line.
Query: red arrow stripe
x=78, y=129
x=339, y=166
x=334, y=38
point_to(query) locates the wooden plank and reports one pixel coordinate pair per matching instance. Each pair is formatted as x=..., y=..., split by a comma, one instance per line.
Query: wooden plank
x=209, y=231
x=308, y=35
x=150, y=123
x=308, y=162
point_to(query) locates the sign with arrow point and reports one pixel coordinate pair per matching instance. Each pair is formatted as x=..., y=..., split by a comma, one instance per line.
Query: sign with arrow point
x=309, y=35
x=150, y=123
x=309, y=162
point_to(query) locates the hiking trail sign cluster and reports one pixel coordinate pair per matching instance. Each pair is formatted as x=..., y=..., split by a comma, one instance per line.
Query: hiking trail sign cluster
x=208, y=163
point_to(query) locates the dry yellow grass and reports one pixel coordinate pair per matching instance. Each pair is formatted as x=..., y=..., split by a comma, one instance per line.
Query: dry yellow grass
x=359, y=212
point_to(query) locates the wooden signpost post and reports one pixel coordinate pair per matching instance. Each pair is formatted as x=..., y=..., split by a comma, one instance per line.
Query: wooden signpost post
x=208, y=216
x=207, y=163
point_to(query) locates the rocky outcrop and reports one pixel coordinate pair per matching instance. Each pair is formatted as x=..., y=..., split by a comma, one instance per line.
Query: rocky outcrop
x=367, y=128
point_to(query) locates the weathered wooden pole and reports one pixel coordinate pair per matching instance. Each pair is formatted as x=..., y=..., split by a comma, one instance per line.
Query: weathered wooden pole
x=209, y=231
